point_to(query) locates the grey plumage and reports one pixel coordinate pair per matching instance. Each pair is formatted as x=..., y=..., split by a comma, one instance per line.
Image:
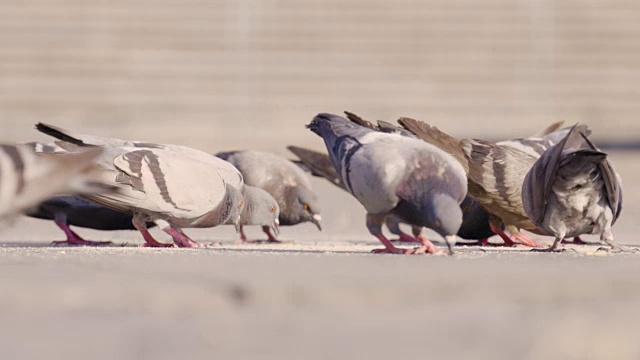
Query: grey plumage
x=27, y=178
x=475, y=220
x=282, y=179
x=572, y=189
x=537, y=144
x=173, y=186
x=391, y=174
x=261, y=209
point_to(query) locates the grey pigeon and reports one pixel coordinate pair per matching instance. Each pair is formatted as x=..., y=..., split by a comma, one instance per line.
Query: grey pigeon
x=173, y=186
x=281, y=178
x=475, y=220
x=27, y=178
x=391, y=174
x=260, y=208
x=73, y=210
x=572, y=189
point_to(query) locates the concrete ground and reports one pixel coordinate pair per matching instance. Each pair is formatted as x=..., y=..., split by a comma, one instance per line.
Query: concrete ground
x=324, y=296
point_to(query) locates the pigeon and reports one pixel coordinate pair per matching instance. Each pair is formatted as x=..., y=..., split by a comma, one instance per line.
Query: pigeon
x=27, y=178
x=73, y=210
x=572, y=189
x=260, y=208
x=286, y=182
x=172, y=186
x=475, y=224
x=495, y=175
x=391, y=174
x=537, y=144
x=475, y=220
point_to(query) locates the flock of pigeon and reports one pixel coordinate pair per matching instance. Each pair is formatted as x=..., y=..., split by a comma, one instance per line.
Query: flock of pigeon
x=555, y=183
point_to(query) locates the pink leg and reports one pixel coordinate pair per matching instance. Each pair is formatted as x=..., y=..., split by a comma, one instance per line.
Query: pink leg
x=391, y=249
x=528, y=241
x=404, y=237
x=271, y=238
x=243, y=237
x=507, y=240
x=429, y=246
x=180, y=238
x=72, y=237
x=149, y=241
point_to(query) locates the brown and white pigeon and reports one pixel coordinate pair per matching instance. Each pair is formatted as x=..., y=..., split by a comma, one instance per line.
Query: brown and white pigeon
x=284, y=180
x=173, y=186
x=391, y=174
x=27, y=178
x=495, y=174
x=572, y=189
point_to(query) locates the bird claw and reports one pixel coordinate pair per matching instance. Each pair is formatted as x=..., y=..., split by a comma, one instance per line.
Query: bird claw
x=617, y=250
x=80, y=242
x=414, y=251
x=549, y=249
x=392, y=251
x=267, y=241
x=159, y=245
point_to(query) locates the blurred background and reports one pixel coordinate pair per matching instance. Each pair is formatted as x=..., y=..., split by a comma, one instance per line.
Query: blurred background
x=250, y=73
x=232, y=74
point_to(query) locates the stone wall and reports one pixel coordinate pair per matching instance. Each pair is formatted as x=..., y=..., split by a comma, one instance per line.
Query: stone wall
x=251, y=73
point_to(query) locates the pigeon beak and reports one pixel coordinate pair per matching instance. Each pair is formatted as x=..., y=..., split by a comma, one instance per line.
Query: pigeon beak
x=236, y=224
x=451, y=242
x=316, y=218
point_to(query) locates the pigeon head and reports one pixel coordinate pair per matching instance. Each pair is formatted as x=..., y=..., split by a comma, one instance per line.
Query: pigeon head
x=260, y=209
x=299, y=204
x=444, y=216
x=308, y=206
x=331, y=127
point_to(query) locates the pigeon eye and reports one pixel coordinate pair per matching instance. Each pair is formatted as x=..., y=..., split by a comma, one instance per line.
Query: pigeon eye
x=273, y=209
x=240, y=204
x=306, y=206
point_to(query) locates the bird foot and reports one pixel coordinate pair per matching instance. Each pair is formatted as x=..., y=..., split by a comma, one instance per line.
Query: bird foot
x=549, y=249
x=396, y=251
x=267, y=241
x=527, y=241
x=74, y=239
x=158, y=245
x=419, y=250
x=618, y=250
x=80, y=242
